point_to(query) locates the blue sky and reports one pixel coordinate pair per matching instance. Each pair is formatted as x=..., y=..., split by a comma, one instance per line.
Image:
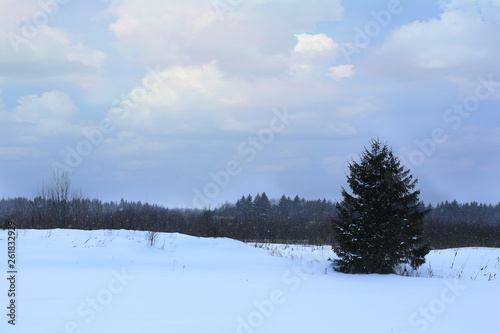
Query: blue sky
x=191, y=103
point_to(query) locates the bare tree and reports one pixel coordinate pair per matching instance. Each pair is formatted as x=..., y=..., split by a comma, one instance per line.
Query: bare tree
x=54, y=201
x=151, y=237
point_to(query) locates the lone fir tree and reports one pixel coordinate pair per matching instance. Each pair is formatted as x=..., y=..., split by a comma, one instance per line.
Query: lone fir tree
x=380, y=225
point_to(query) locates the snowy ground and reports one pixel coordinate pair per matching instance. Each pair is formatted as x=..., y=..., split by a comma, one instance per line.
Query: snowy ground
x=111, y=281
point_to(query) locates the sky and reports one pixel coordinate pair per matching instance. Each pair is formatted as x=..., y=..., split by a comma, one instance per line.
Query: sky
x=195, y=103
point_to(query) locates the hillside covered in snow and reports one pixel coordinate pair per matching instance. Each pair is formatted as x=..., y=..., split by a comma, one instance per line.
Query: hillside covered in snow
x=113, y=281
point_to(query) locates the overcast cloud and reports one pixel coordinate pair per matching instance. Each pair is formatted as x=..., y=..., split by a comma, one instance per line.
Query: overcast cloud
x=190, y=103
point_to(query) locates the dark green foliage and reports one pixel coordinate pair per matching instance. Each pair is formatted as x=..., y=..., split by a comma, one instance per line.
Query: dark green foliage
x=452, y=225
x=380, y=225
x=287, y=220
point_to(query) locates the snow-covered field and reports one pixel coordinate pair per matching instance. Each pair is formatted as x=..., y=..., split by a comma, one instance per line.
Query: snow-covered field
x=111, y=281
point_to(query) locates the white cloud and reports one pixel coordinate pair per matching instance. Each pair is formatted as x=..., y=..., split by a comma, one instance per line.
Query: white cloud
x=222, y=74
x=201, y=98
x=179, y=93
x=248, y=43
x=49, y=44
x=37, y=128
x=34, y=49
x=311, y=56
x=319, y=43
x=341, y=72
x=89, y=58
x=50, y=105
x=458, y=46
x=300, y=69
x=35, y=118
x=175, y=99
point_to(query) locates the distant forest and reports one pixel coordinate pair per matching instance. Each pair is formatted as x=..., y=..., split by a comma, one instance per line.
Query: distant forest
x=250, y=219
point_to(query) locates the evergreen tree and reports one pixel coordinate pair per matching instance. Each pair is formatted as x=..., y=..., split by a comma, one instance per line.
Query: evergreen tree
x=262, y=206
x=380, y=225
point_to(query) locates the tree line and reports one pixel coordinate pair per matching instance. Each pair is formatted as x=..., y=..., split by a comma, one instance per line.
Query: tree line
x=451, y=224
x=251, y=218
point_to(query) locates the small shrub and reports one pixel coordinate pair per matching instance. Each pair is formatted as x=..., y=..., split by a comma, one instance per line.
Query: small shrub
x=151, y=237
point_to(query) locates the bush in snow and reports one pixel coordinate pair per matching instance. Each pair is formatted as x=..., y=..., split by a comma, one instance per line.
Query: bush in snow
x=151, y=237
